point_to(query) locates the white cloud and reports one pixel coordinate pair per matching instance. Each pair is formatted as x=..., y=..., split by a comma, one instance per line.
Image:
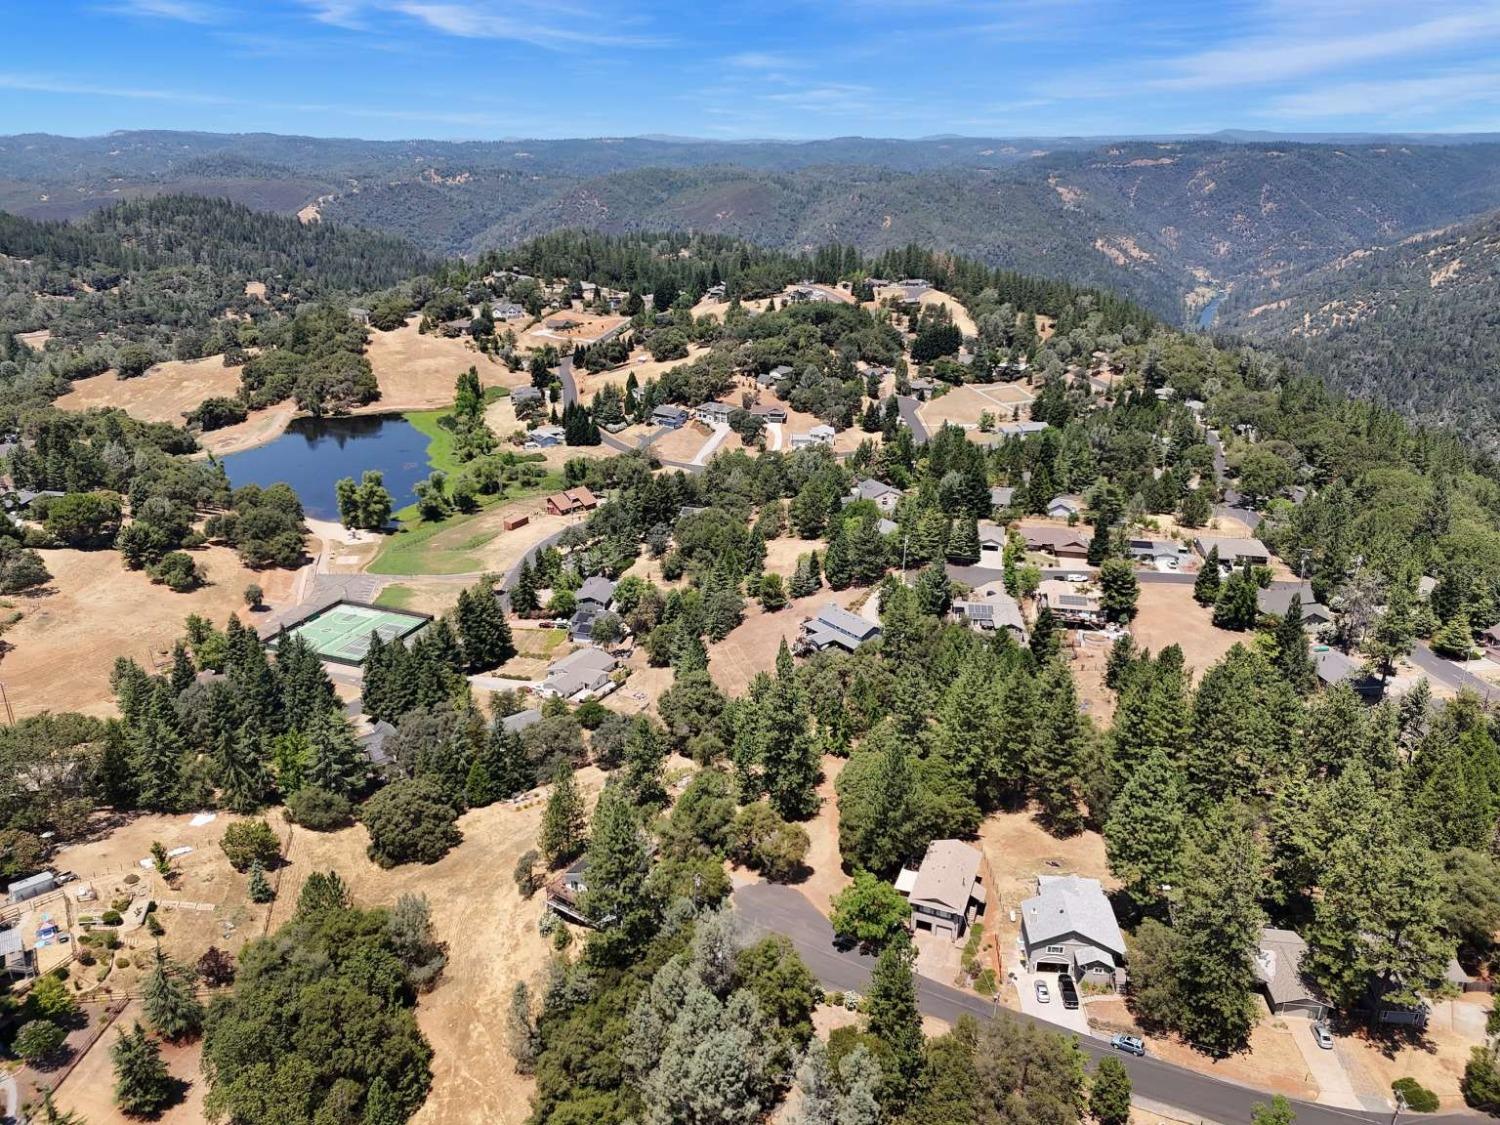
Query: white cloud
x=762, y=60
x=1374, y=99
x=188, y=11
x=553, y=26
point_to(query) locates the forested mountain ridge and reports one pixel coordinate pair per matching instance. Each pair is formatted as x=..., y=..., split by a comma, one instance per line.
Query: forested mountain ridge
x=1415, y=325
x=1165, y=221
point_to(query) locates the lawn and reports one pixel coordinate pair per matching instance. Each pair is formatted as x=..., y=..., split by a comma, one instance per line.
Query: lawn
x=395, y=596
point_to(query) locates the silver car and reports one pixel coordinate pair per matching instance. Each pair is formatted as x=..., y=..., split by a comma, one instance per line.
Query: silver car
x=1043, y=993
x=1322, y=1036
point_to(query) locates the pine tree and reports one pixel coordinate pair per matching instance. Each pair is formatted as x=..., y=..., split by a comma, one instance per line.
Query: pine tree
x=645, y=754
x=1206, y=585
x=336, y=762
x=1292, y=658
x=963, y=548
x=1119, y=589
x=1109, y=1096
x=789, y=758
x=1058, y=749
x=934, y=591
x=239, y=771
x=837, y=567
x=894, y=1019
x=523, y=598
x=306, y=690
x=1099, y=544
x=616, y=901
x=142, y=1086
x=168, y=1000
x=260, y=886
x=1236, y=607
x=1145, y=829
x=561, y=838
x=157, y=752
x=505, y=761
x=183, y=672
x=1045, y=641
x=482, y=628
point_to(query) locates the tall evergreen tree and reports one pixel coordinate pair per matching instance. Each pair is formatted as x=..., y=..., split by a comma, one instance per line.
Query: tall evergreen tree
x=616, y=900
x=1292, y=658
x=1144, y=833
x=645, y=754
x=561, y=838
x=335, y=762
x=895, y=1020
x=1057, y=750
x=482, y=628
x=1206, y=585
x=183, y=673
x=143, y=1088
x=168, y=1000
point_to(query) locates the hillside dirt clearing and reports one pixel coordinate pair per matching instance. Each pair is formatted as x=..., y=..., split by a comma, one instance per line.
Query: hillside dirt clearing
x=417, y=372
x=963, y=406
x=1168, y=615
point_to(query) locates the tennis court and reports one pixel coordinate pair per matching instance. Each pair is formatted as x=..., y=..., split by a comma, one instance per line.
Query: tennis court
x=341, y=632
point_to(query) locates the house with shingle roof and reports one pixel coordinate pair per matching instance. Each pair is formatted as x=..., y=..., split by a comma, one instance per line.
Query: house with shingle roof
x=884, y=496
x=1070, y=927
x=1278, y=967
x=945, y=888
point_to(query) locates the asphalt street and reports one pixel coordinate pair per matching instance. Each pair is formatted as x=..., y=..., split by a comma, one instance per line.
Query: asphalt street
x=1195, y=1097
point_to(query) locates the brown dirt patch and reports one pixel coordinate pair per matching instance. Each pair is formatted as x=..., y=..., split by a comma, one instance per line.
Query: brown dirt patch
x=964, y=405
x=823, y=859
x=164, y=394
x=589, y=327
x=640, y=364
x=1167, y=615
x=95, y=610
x=1436, y=1061
x=89, y=1088
x=752, y=647
x=961, y=318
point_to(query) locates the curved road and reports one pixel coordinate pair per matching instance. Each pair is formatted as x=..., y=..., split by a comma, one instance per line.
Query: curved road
x=1196, y=1097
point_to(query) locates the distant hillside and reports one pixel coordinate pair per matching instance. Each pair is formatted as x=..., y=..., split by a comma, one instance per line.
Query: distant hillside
x=1415, y=324
x=1167, y=222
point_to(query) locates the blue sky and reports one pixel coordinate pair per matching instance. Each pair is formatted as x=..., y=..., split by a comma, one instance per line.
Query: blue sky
x=763, y=68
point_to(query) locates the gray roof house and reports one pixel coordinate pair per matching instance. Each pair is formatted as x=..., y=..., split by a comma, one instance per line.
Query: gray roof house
x=990, y=608
x=884, y=496
x=372, y=744
x=835, y=626
x=1061, y=507
x=1002, y=495
x=1070, y=927
x=669, y=415
x=525, y=394
x=598, y=590
x=1152, y=551
x=944, y=888
x=1019, y=429
x=773, y=376
x=544, y=436
x=1070, y=602
x=1278, y=966
x=16, y=961
x=1334, y=668
x=513, y=724
x=1233, y=552
x=1276, y=600
x=770, y=412
x=39, y=884
x=713, y=411
x=580, y=675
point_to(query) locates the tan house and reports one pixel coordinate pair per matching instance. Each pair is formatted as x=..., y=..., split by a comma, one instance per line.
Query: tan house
x=945, y=890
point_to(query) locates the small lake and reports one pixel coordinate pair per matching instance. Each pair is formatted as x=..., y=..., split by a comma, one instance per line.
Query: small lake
x=314, y=453
x=1210, y=311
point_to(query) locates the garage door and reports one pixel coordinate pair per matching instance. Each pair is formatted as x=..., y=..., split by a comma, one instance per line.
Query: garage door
x=1045, y=966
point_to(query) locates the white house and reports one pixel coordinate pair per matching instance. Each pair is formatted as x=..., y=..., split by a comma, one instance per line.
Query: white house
x=581, y=675
x=1070, y=927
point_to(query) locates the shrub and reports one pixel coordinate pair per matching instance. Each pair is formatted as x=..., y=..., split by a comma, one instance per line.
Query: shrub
x=111, y=918
x=591, y=713
x=411, y=820
x=122, y=962
x=250, y=841
x=528, y=879
x=764, y=842
x=38, y=1040
x=1418, y=1098
x=153, y=927
x=319, y=809
x=177, y=571
x=836, y=999
x=132, y=879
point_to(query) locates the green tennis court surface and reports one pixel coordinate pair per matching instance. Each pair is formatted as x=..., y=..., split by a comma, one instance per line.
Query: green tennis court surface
x=341, y=632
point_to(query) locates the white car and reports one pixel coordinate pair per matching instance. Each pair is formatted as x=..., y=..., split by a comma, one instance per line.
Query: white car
x=1322, y=1036
x=1043, y=994
x=1075, y=577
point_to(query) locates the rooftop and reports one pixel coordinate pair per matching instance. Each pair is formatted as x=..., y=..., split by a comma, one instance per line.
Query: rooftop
x=947, y=875
x=1071, y=904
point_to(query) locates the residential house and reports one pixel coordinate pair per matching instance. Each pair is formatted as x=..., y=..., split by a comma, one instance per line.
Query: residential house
x=1001, y=496
x=1490, y=639
x=713, y=412
x=1060, y=542
x=992, y=539
x=715, y=292
x=773, y=415
x=913, y=289
x=372, y=744
x=507, y=310
x=882, y=495
x=1335, y=668
x=580, y=675
x=923, y=388
x=669, y=415
x=17, y=504
x=521, y=396
x=945, y=888
x=459, y=326
x=564, y=324
x=818, y=435
x=1156, y=551
x=564, y=892
x=774, y=376
x=1278, y=966
x=580, y=499
x=597, y=591
x=358, y=314
x=545, y=437
x=1425, y=586
x=1233, y=552
x=834, y=626
x=990, y=608
x=515, y=724
x=1276, y=600
x=1069, y=603
x=1065, y=507
x=1070, y=927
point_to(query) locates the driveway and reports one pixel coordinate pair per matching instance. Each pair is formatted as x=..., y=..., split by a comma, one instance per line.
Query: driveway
x=908, y=407
x=773, y=436
x=1335, y=1086
x=716, y=439
x=1053, y=1012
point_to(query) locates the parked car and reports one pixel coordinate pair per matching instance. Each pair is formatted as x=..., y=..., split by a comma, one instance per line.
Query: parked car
x=1129, y=1044
x=65, y=877
x=1322, y=1036
x=1075, y=577
x=1043, y=994
x=1068, y=989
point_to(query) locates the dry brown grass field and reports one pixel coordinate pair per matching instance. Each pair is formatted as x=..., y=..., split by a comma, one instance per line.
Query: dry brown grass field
x=164, y=394
x=417, y=372
x=58, y=656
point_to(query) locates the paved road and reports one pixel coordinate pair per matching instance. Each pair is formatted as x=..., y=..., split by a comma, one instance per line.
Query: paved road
x=569, y=384
x=1448, y=674
x=1198, y=1097
x=908, y=408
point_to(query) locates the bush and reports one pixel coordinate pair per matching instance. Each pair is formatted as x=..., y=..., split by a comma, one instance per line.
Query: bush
x=764, y=842
x=528, y=879
x=131, y=880
x=39, y=1040
x=177, y=571
x=1481, y=1082
x=319, y=809
x=110, y=918
x=836, y=999
x=1418, y=1098
x=153, y=927
x=410, y=821
x=591, y=713
x=249, y=841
